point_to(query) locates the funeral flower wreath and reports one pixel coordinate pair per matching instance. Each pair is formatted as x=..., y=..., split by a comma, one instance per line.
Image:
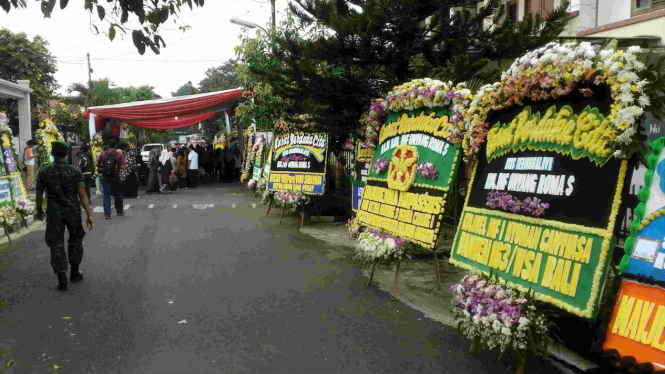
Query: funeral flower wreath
x=46, y=129
x=556, y=70
x=5, y=130
x=419, y=94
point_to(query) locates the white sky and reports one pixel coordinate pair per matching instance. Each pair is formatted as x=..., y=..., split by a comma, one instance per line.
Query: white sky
x=186, y=57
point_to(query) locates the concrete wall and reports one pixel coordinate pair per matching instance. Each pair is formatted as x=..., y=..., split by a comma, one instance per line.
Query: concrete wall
x=612, y=11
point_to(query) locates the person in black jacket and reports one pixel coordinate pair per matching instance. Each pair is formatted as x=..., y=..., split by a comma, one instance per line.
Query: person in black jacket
x=86, y=166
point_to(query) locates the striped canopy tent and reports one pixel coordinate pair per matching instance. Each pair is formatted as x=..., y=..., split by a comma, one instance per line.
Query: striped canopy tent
x=164, y=114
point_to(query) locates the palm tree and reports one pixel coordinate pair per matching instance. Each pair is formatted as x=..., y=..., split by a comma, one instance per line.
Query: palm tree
x=102, y=93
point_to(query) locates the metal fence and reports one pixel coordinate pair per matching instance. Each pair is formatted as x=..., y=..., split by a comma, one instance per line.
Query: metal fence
x=339, y=171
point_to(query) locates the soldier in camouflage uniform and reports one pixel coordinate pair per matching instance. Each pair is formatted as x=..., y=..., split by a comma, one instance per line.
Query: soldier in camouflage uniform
x=65, y=192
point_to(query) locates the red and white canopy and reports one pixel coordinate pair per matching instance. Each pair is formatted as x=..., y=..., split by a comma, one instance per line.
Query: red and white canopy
x=171, y=113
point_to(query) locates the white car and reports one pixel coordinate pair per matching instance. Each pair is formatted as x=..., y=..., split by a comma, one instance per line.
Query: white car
x=145, y=150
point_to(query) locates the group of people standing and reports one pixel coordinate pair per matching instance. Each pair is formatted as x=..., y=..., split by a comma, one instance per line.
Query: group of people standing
x=169, y=172
x=173, y=170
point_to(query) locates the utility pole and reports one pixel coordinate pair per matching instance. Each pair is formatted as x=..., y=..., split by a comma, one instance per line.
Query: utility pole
x=89, y=74
x=272, y=3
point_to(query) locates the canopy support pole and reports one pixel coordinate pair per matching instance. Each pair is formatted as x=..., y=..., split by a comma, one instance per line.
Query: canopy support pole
x=228, y=123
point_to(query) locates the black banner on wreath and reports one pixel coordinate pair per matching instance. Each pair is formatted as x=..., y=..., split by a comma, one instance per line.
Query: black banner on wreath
x=543, y=200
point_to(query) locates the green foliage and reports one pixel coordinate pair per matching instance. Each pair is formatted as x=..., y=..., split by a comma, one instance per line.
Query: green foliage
x=330, y=58
x=151, y=14
x=18, y=62
x=104, y=92
x=655, y=90
x=186, y=89
x=219, y=78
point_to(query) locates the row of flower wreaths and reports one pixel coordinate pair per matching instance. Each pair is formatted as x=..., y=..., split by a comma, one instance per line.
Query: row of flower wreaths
x=491, y=313
x=255, y=152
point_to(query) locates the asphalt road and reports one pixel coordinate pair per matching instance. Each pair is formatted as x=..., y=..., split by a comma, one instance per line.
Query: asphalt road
x=256, y=296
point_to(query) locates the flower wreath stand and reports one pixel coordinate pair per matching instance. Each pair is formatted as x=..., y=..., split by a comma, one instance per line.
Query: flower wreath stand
x=25, y=208
x=8, y=216
x=492, y=315
x=374, y=247
x=290, y=201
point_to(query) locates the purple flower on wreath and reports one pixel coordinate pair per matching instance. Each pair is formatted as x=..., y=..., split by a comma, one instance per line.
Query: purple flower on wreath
x=427, y=170
x=534, y=206
x=380, y=165
x=449, y=95
x=456, y=136
x=3, y=118
x=504, y=201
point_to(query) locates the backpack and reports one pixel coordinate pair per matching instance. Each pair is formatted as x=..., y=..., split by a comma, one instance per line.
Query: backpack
x=109, y=169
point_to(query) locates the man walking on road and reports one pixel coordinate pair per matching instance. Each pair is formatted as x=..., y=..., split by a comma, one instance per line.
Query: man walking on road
x=109, y=164
x=193, y=167
x=65, y=191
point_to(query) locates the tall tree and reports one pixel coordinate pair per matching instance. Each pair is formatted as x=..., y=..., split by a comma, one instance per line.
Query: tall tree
x=150, y=13
x=336, y=55
x=220, y=78
x=22, y=58
x=186, y=89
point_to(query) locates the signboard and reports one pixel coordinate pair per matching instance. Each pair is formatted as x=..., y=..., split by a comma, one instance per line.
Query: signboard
x=636, y=327
x=8, y=157
x=13, y=175
x=256, y=171
x=644, y=250
x=362, y=172
x=18, y=190
x=298, y=162
x=5, y=190
x=364, y=154
x=182, y=139
x=397, y=198
x=266, y=170
x=540, y=213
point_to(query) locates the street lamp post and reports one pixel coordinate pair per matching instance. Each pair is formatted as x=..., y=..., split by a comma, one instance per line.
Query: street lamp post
x=249, y=25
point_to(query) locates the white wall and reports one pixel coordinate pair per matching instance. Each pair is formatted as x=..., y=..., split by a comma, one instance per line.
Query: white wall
x=587, y=8
x=610, y=11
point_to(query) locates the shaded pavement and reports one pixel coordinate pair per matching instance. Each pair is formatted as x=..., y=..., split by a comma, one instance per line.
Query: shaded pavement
x=211, y=285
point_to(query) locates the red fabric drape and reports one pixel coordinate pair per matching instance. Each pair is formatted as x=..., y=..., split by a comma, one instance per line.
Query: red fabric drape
x=172, y=123
x=179, y=108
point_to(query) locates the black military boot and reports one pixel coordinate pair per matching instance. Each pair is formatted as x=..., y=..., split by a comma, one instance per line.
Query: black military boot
x=62, y=280
x=76, y=275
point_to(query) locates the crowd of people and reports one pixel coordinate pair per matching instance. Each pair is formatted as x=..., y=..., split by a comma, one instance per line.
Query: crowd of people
x=166, y=170
x=116, y=172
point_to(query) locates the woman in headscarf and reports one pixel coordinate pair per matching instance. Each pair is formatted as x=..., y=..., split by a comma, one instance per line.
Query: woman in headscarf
x=129, y=175
x=154, y=178
x=166, y=170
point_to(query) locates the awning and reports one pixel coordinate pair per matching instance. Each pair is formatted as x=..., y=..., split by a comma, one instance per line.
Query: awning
x=168, y=113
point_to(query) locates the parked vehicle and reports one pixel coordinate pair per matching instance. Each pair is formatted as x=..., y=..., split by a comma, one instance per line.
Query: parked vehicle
x=145, y=150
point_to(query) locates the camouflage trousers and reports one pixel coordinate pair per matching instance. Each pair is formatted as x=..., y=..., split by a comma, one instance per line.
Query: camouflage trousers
x=55, y=239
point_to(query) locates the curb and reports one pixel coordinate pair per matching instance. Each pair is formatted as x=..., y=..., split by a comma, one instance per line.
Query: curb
x=21, y=223
x=328, y=219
